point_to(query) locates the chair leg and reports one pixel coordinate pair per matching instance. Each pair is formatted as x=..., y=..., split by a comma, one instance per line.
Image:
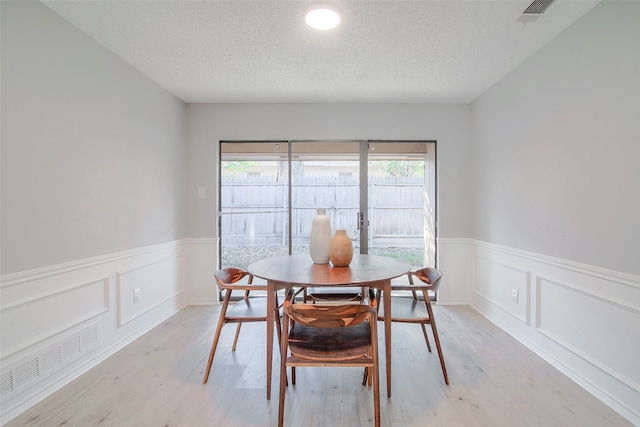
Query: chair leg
x=283, y=373
x=374, y=377
x=427, y=303
x=216, y=336
x=284, y=347
x=278, y=327
x=437, y=340
x=279, y=333
x=235, y=339
x=376, y=396
x=426, y=337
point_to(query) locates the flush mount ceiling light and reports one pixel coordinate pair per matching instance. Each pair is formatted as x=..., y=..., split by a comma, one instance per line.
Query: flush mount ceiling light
x=322, y=16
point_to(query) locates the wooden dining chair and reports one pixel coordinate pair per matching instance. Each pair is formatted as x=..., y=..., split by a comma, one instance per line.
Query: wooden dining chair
x=413, y=309
x=248, y=309
x=320, y=335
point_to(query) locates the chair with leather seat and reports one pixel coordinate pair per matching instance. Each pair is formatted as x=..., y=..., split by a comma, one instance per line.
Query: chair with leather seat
x=248, y=309
x=343, y=335
x=413, y=309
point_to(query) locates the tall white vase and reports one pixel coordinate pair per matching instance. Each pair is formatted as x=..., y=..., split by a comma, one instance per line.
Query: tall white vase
x=320, y=238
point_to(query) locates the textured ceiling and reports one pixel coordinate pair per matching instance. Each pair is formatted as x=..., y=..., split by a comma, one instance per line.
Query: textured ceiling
x=262, y=51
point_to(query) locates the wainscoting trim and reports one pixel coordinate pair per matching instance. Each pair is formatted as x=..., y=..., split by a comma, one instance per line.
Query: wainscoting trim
x=611, y=295
x=38, y=358
x=53, y=270
x=594, y=271
x=120, y=278
x=100, y=307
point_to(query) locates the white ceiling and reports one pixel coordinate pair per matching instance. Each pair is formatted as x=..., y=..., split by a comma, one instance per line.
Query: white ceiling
x=429, y=51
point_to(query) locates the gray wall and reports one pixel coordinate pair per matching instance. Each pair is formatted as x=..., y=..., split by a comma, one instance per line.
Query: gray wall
x=93, y=152
x=447, y=124
x=93, y=159
x=556, y=146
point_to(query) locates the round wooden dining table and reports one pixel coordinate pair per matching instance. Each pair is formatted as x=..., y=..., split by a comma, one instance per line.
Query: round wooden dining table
x=299, y=271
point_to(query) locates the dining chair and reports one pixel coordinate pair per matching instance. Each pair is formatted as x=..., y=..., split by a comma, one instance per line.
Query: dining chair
x=248, y=309
x=343, y=335
x=413, y=309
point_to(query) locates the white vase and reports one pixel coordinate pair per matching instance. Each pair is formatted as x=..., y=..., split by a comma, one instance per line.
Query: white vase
x=320, y=238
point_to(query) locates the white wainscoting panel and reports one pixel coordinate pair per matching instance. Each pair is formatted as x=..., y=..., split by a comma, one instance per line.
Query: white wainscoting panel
x=454, y=260
x=582, y=319
x=58, y=322
x=58, y=310
x=497, y=281
x=597, y=331
x=154, y=283
x=202, y=258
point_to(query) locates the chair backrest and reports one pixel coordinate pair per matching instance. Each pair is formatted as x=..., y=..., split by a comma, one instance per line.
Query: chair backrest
x=228, y=276
x=430, y=276
x=330, y=316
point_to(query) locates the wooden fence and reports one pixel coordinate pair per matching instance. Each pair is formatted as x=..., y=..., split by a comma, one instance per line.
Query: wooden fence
x=254, y=208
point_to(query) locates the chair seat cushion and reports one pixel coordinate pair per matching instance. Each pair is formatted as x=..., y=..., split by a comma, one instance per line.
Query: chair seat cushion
x=405, y=309
x=335, y=293
x=330, y=343
x=253, y=308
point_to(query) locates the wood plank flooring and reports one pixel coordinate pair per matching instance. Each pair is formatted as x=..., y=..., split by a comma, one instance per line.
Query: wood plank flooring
x=157, y=381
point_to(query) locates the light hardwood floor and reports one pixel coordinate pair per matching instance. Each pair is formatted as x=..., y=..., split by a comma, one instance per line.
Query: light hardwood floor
x=157, y=381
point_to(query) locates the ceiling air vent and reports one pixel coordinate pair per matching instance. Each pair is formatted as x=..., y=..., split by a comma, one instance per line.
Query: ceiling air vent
x=535, y=9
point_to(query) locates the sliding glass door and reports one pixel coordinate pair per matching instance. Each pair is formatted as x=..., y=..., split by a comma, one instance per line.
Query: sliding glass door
x=381, y=192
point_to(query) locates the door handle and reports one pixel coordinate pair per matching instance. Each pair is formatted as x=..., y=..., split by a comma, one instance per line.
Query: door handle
x=360, y=220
